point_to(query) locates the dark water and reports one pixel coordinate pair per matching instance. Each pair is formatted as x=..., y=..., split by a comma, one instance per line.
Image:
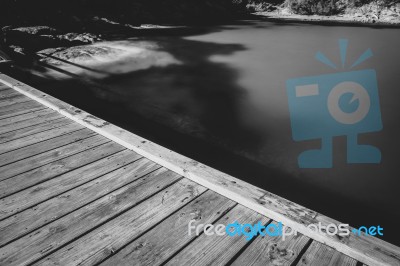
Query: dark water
x=218, y=95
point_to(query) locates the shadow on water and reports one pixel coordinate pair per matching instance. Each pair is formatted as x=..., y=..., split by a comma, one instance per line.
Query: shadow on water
x=194, y=108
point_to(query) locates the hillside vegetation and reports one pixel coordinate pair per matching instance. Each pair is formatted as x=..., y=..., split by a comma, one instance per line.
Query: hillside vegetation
x=360, y=10
x=29, y=26
x=80, y=13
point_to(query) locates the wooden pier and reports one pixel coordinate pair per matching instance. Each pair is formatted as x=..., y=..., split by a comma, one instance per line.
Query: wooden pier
x=74, y=192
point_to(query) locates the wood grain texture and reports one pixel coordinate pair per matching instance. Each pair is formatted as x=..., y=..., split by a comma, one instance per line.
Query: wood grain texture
x=13, y=100
x=31, y=109
x=53, y=187
x=367, y=246
x=321, y=255
x=65, y=127
x=8, y=92
x=279, y=209
x=167, y=238
x=54, y=169
x=29, y=122
x=44, y=146
x=51, y=237
x=215, y=249
x=57, y=153
x=27, y=116
x=30, y=132
x=367, y=250
x=105, y=240
x=50, y=210
x=19, y=108
x=272, y=250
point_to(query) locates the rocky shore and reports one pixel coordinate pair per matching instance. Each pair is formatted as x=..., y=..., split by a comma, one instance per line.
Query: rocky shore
x=367, y=12
x=357, y=19
x=29, y=27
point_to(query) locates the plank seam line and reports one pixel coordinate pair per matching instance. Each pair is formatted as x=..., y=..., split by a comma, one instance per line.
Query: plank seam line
x=222, y=214
x=12, y=106
x=38, y=111
x=83, y=206
x=235, y=189
x=27, y=100
x=7, y=92
x=245, y=246
x=7, y=98
x=18, y=103
x=153, y=226
x=10, y=97
x=50, y=178
x=30, y=206
x=57, y=127
x=302, y=252
x=106, y=221
x=65, y=133
x=25, y=127
x=89, y=136
x=23, y=113
x=27, y=111
x=72, y=154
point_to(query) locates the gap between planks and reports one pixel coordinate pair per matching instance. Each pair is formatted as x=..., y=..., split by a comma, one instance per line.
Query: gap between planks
x=368, y=250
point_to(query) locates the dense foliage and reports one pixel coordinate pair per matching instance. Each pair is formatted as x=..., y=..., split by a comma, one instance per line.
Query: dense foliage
x=78, y=13
x=322, y=7
x=332, y=7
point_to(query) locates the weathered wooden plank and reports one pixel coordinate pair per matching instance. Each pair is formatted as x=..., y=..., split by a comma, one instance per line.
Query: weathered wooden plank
x=9, y=98
x=10, y=93
x=54, y=169
x=14, y=99
x=26, y=116
x=21, y=112
x=17, y=105
x=33, y=218
x=369, y=246
x=30, y=122
x=167, y=238
x=368, y=250
x=52, y=236
x=105, y=240
x=30, y=131
x=66, y=126
x=320, y=255
x=215, y=249
x=3, y=87
x=19, y=108
x=272, y=250
x=44, y=146
x=53, y=187
x=56, y=154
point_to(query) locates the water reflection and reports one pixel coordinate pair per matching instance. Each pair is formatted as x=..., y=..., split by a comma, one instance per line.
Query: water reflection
x=221, y=99
x=104, y=59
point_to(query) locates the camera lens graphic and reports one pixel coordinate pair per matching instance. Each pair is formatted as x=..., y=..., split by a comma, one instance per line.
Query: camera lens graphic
x=359, y=93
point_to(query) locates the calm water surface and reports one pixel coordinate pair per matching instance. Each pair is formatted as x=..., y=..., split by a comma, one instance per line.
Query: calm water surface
x=218, y=95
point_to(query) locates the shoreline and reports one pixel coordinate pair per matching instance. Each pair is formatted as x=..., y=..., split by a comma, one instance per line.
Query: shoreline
x=338, y=20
